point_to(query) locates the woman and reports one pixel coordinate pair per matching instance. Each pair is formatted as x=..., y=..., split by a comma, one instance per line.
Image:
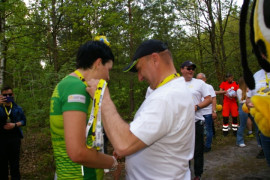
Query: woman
x=76, y=155
x=243, y=116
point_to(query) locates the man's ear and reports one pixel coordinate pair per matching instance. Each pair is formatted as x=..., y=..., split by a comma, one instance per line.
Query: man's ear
x=156, y=58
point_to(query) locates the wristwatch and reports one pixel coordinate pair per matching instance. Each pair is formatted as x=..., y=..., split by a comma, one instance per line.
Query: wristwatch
x=214, y=111
x=198, y=107
x=115, y=164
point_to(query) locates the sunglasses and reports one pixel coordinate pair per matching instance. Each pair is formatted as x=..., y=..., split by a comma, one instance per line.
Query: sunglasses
x=190, y=68
x=10, y=94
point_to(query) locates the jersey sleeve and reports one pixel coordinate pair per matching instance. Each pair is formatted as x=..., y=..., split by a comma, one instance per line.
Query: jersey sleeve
x=73, y=96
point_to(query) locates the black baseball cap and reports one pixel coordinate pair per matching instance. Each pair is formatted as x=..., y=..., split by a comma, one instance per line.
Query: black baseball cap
x=228, y=75
x=188, y=63
x=146, y=48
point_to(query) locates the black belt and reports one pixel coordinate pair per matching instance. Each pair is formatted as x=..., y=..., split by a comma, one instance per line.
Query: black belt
x=200, y=122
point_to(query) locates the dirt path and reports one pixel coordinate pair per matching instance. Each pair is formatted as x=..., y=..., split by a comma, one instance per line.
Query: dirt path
x=230, y=162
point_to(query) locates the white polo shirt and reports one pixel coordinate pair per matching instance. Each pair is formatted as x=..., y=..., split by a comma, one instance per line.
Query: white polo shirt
x=165, y=122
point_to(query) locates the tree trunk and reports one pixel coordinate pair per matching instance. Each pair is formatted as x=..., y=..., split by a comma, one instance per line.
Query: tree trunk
x=54, y=38
x=131, y=83
x=2, y=44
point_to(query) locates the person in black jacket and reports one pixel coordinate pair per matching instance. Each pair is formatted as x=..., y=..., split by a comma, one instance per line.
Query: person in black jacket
x=11, y=118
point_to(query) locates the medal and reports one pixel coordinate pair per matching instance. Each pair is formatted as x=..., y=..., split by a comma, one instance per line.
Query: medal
x=8, y=120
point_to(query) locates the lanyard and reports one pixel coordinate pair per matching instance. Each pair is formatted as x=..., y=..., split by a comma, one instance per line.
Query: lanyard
x=80, y=76
x=168, y=79
x=95, y=116
x=8, y=112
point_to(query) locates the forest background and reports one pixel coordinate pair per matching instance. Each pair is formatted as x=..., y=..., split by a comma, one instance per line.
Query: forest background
x=39, y=42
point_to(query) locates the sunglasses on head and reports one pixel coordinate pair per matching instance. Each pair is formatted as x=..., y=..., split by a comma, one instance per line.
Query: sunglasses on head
x=190, y=68
x=10, y=94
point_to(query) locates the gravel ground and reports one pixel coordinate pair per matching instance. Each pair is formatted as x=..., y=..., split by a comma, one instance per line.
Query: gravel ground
x=230, y=162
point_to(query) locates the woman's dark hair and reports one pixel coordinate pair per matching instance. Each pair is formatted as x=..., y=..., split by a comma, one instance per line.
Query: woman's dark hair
x=89, y=52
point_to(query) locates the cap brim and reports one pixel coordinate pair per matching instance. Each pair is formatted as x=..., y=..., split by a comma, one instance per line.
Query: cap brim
x=131, y=67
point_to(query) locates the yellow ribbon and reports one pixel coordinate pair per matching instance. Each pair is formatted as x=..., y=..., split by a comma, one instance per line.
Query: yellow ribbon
x=97, y=97
x=78, y=73
x=168, y=79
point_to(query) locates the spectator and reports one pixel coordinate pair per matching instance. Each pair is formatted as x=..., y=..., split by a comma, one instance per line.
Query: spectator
x=159, y=142
x=11, y=119
x=209, y=114
x=243, y=116
x=199, y=90
x=70, y=104
x=229, y=88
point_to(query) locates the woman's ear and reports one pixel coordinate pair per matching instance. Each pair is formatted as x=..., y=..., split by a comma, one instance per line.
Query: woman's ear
x=97, y=63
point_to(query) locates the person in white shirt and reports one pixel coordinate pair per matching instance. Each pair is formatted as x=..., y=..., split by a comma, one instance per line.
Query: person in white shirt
x=199, y=90
x=262, y=81
x=159, y=142
x=209, y=114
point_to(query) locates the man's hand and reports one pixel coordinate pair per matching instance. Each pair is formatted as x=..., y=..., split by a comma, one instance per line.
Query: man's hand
x=214, y=115
x=2, y=99
x=117, y=173
x=92, y=87
x=9, y=126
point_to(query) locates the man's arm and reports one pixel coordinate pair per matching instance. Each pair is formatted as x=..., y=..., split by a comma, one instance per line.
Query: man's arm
x=214, y=103
x=207, y=100
x=221, y=91
x=118, y=131
x=75, y=129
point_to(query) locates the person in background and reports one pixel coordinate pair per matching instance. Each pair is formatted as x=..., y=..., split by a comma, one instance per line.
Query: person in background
x=243, y=116
x=209, y=114
x=69, y=112
x=159, y=142
x=11, y=119
x=229, y=88
x=262, y=81
x=199, y=91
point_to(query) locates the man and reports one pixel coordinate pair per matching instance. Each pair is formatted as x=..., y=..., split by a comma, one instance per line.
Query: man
x=262, y=79
x=209, y=114
x=11, y=119
x=159, y=142
x=199, y=90
x=229, y=88
x=70, y=110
